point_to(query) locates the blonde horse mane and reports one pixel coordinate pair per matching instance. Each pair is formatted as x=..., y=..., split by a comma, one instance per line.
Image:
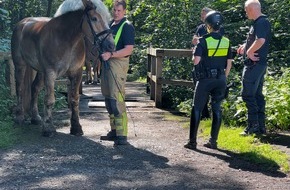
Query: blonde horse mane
x=73, y=5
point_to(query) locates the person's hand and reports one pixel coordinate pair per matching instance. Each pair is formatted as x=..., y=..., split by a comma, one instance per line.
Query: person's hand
x=253, y=56
x=241, y=49
x=106, y=56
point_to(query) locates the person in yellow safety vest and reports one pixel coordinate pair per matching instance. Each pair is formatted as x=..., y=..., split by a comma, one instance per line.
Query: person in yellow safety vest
x=200, y=31
x=114, y=74
x=212, y=63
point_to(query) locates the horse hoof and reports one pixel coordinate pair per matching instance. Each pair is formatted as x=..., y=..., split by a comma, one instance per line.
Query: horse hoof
x=48, y=133
x=36, y=122
x=76, y=133
x=18, y=123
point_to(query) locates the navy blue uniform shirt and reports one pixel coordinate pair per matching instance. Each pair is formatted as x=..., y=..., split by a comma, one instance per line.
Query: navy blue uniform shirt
x=260, y=29
x=127, y=35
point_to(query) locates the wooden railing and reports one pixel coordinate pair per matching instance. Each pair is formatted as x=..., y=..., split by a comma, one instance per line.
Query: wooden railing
x=154, y=71
x=9, y=71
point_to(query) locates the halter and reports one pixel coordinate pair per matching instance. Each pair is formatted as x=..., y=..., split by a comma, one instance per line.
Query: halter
x=98, y=42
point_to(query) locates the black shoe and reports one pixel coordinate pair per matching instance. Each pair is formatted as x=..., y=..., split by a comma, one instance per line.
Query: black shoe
x=190, y=145
x=251, y=130
x=263, y=131
x=210, y=145
x=245, y=133
x=111, y=136
x=121, y=140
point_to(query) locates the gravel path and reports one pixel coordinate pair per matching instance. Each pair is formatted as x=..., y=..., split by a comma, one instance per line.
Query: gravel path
x=155, y=159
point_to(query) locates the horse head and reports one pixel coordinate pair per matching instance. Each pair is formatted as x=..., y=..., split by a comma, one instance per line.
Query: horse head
x=96, y=27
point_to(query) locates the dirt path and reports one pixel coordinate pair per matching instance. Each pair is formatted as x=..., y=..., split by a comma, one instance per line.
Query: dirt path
x=155, y=159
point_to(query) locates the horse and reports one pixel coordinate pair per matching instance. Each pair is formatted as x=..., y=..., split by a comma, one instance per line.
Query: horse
x=92, y=64
x=44, y=49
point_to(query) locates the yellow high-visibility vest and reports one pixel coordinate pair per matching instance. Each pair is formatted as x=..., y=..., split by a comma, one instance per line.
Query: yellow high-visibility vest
x=117, y=37
x=212, y=46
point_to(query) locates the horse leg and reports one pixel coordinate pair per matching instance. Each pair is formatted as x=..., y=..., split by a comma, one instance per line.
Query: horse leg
x=19, y=76
x=96, y=64
x=48, y=129
x=37, y=85
x=88, y=72
x=76, y=128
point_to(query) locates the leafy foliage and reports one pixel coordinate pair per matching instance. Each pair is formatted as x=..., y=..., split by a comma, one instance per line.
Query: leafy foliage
x=278, y=95
x=6, y=100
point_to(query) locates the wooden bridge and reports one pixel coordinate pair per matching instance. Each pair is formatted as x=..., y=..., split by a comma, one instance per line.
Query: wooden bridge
x=136, y=99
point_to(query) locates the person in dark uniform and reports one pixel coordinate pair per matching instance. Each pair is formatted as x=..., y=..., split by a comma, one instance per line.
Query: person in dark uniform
x=212, y=64
x=114, y=74
x=199, y=32
x=201, y=29
x=255, y=52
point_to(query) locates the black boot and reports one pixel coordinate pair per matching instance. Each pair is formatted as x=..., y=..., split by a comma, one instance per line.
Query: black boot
x=111, y=136
x=121, y=140
x=215, y=128
x=262, y=127
x=194, y=123
x=252, y=128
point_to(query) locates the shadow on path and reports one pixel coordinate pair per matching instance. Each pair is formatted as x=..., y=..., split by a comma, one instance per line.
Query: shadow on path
x=277, y=139
x=237, y=161
x=69, y=162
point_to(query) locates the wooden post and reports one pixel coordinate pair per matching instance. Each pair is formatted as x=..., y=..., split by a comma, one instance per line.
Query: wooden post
x=9, y=71
x=12, y=77
x=158, y=84
x=153, y=82
x=148, y=79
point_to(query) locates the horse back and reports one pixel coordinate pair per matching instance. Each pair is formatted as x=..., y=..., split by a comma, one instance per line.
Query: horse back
x=25, y=39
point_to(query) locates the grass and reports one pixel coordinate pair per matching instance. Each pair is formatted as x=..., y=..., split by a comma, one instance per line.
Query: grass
x=249, y=148
x=11, y=135
x=7, y=135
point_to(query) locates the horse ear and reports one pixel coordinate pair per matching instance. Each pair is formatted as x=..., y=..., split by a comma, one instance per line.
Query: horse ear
x=89, y=4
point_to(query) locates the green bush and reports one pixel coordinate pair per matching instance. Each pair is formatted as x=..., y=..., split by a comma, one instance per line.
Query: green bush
x=277, y=94
x=6, y=100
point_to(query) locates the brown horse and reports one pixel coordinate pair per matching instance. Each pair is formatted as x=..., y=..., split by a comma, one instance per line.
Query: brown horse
x=55, y=47
x=92, y=64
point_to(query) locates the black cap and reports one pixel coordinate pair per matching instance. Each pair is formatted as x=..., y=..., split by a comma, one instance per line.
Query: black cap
x=214, y=19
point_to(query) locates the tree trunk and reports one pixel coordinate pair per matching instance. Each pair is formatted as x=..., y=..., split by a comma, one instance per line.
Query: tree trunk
x=49, y=5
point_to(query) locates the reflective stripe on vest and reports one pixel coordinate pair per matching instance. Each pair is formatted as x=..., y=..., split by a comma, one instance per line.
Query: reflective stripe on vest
x=212, y=45
x=117, y=37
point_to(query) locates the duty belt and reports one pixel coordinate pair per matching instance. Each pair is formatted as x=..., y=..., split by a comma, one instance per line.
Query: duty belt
x=207, y=73
x=214, y=73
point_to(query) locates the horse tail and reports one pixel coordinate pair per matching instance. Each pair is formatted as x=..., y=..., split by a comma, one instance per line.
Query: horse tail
x=28, y=80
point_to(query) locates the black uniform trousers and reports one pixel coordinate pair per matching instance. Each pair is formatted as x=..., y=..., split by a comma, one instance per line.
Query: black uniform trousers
x=214, y=87
x=253, y=80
